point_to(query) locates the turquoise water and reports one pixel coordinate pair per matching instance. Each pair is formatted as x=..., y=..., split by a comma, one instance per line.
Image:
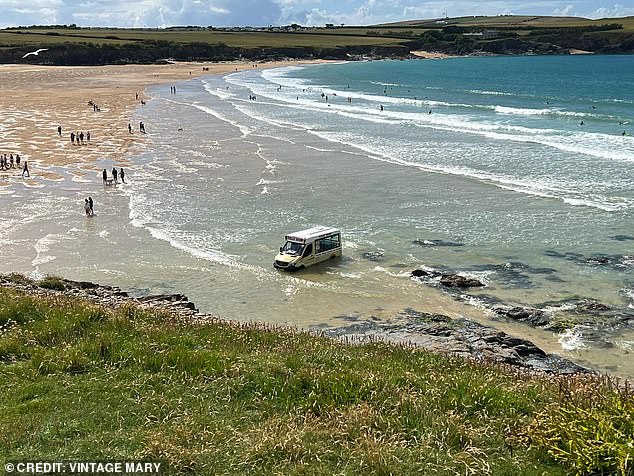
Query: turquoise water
x=474, y=165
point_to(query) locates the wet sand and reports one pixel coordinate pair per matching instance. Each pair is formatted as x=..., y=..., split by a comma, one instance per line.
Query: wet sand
x=36, y=100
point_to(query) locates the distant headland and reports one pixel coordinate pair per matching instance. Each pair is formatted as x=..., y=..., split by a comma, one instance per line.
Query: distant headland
x=72, y=45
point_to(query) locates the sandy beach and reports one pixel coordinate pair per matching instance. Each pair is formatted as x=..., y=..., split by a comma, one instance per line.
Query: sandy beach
x=36, y=100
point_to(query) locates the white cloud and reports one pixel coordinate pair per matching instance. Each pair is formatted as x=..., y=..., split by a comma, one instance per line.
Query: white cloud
x=616, y=10
x=567, y=11
x=152, y=13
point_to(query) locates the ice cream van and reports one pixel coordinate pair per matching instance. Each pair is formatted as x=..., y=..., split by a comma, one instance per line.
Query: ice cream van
x=308, y=247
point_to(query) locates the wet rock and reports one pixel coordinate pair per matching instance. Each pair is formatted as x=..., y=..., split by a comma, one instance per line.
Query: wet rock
x=622, y=238
x=529, y=315
x=422, y=273
x=372, y=255
x=590, y=306
x=458, y=281
x=439, y=333
x=164, y=298
x=437, y=243
x=425, y=316
x=598, y=260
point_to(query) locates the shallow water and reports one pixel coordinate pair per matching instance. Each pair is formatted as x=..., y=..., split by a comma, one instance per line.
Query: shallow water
x=520, y=193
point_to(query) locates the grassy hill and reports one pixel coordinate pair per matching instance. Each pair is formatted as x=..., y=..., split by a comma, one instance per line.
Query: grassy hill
x=506, y=35
x=86, y=381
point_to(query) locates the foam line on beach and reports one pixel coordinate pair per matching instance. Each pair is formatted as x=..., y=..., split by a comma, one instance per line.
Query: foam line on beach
x=594, y=144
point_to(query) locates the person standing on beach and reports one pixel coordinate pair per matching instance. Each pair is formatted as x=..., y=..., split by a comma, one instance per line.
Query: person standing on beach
x=129, y=128
x=72, y=138
x=90, y=202
x=122, y=175
x=17, y=159
x=59, y=130
x=25, y=170
x=86, y=207
x=104, y=174
x=88, y=136
x=114, y=174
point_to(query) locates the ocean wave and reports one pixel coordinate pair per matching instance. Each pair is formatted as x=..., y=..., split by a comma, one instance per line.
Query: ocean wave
x=526, y=186
x=244, y=130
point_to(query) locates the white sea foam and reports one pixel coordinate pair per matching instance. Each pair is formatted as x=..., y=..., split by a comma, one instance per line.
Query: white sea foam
x=572, y=339
x=244, y=130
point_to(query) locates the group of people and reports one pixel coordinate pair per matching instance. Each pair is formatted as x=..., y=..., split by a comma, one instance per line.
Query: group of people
x=88, y=207
x=141, y=127
x=11, y=162
x=115, y=175
x=77, y=138
x=95, y=108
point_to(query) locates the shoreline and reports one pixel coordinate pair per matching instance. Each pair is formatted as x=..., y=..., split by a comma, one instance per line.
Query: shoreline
x=38, y=99
x=94, y=170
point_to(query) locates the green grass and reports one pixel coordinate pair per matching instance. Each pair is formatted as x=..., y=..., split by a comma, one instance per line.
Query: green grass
x=318, y=39
x=84, y=382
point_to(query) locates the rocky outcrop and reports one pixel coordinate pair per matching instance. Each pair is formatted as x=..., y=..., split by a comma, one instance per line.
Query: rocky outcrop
x=528, y=315
x=460, y=337
x=450, y=280
x=110, y=296
x=458, y=281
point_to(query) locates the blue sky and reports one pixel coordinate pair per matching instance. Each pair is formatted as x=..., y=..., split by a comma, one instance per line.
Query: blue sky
x=162, y=13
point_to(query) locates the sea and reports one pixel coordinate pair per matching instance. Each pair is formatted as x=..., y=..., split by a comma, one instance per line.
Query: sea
x=518, y=171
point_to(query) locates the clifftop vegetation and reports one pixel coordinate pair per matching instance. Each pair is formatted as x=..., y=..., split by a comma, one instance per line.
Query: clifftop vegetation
x=73, y=45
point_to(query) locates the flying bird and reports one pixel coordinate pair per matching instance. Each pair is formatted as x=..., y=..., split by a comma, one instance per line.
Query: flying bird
x=37, y=52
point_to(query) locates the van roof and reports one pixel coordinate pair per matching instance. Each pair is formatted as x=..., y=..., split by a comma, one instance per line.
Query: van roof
x=311, y=233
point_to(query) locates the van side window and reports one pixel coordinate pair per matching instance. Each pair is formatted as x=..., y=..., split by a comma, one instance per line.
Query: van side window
x=328, y=243
x=308, y=251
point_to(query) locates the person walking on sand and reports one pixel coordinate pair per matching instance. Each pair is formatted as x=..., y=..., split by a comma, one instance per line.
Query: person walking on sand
x=114, y=174
x=87, y=207
x=59, y=130
x=90, y=202
x=88, y=136
x=130, y=128
x=17, y=159
x=104, y=175
x=122, y=175
x=25, y=170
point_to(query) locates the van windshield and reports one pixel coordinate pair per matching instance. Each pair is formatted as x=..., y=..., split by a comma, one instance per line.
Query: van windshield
x=293, y=248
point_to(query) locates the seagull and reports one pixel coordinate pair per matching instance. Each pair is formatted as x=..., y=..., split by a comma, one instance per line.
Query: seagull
x=37, y=52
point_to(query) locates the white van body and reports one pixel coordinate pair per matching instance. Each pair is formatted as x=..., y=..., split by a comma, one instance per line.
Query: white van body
x=308, y=247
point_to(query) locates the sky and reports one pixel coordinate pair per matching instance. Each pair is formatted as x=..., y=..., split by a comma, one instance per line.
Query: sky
x=164, y=13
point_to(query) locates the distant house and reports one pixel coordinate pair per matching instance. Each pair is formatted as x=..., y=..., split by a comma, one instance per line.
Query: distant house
x=485, y=34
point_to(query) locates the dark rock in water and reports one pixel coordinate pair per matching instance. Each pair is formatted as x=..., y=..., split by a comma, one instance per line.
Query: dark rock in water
x=531, y=316
x=85, y=285
x=421, y=273
x=164, y=297
x=372, y=255
x=622, y=238
x=437, y=243
x=598, y=260
x=425, y=316
x=568, y=255
x=590, y=306
x=348, y=317
x=457, y=281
